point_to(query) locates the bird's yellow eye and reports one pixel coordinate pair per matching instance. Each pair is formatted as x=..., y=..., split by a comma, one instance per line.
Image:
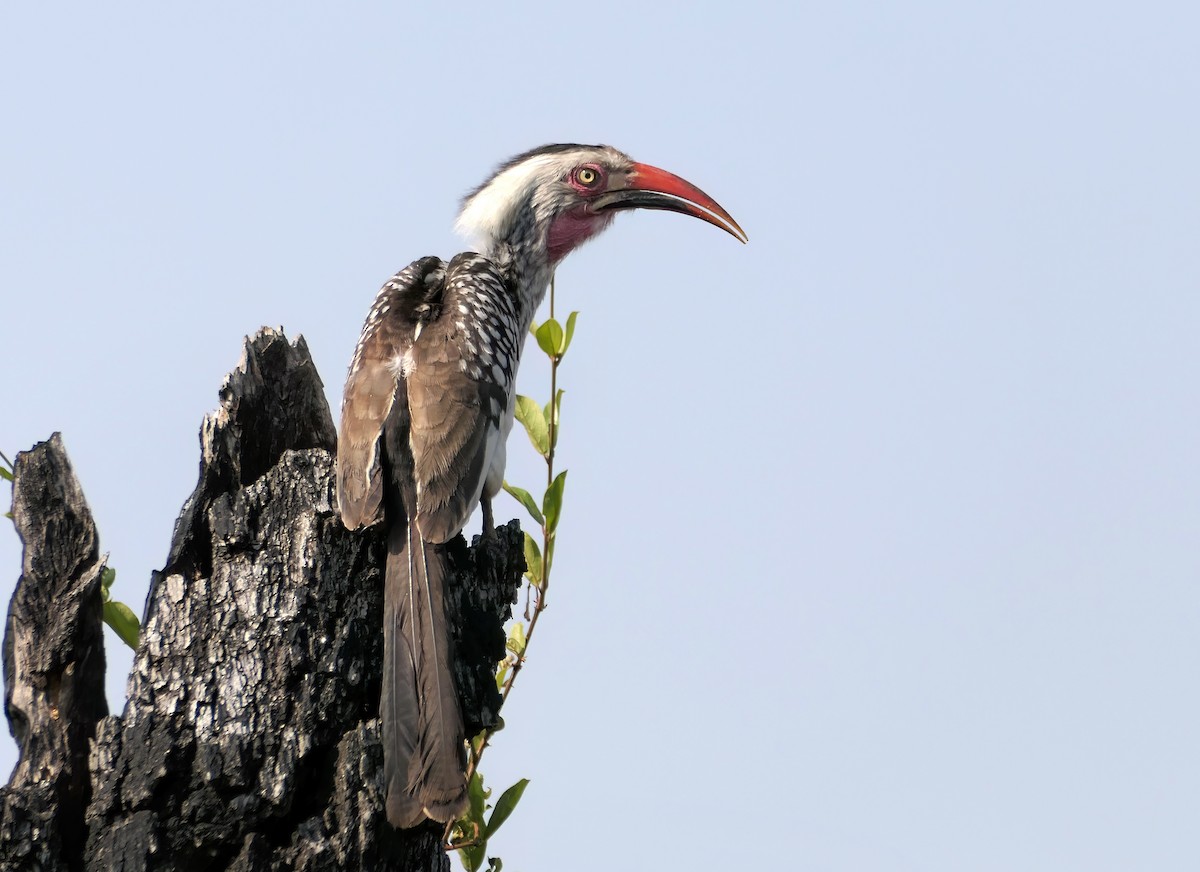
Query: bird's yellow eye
x=586, y=176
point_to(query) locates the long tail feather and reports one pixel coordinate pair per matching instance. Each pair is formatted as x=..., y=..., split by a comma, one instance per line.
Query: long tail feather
x=423, y=753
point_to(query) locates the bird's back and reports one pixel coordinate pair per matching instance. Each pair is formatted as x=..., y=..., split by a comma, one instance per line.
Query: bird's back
x=446, y=339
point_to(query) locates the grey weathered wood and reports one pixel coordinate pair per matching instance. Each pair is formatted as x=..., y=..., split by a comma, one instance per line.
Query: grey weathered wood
x=249, y=740
x=53, y=664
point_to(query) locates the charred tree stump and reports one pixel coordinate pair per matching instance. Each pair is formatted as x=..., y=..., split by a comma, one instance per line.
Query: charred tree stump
x=53, y=665
x=250, y=737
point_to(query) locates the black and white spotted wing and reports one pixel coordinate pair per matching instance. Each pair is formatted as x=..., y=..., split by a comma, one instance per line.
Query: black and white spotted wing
x=442, y=339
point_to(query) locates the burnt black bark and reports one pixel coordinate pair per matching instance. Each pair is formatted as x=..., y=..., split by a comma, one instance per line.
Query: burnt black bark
x=53, y=665
x=249, y=740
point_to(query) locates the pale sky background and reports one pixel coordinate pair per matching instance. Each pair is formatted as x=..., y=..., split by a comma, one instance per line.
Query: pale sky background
x=881, y=546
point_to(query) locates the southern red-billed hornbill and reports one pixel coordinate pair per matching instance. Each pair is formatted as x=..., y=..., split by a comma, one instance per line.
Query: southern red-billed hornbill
x=428, y=406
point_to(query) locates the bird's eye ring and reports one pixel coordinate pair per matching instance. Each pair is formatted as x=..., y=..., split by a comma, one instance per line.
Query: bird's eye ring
x=587, y=176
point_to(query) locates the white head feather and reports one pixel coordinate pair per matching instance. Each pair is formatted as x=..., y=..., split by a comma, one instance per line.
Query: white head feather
x=488, y=213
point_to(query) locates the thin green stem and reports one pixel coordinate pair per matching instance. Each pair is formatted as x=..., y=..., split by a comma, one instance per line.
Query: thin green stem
x=539, y=589
x=553, y=403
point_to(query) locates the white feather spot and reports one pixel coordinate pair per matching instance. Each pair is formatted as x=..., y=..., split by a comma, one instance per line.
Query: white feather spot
x=402, y=365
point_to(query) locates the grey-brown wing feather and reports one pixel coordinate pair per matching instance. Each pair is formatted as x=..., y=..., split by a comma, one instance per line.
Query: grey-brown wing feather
x=454, y=422
x=371, y=387
x=359, y=481
x=458, y=388
x=450, y=331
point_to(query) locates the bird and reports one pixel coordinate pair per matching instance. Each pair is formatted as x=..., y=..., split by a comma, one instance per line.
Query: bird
x=428, y=406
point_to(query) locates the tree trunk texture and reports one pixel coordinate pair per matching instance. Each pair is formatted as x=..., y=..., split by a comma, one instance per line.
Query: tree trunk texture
x=250, y=737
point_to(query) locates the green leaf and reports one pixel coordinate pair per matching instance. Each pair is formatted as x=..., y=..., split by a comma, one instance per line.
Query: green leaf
x=477, y=795
x=6, y=474
x=473, y=855
x=502, y=675
x=570, y=332
x=525, y=498
x=529, y=413
x=495, y=864
x=550, y=337
x=477, y=744
x=107, y=576
x=552, y=501
x=557, y=416
x=123, y=621
x=505, y=805
x=533, y=560
x=516, y=639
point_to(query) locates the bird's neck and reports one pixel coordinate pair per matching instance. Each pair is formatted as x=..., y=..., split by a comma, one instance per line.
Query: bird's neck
x=532, y=245
x=529, y=270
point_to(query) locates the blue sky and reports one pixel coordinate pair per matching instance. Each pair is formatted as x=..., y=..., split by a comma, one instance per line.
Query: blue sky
x=880, y=542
